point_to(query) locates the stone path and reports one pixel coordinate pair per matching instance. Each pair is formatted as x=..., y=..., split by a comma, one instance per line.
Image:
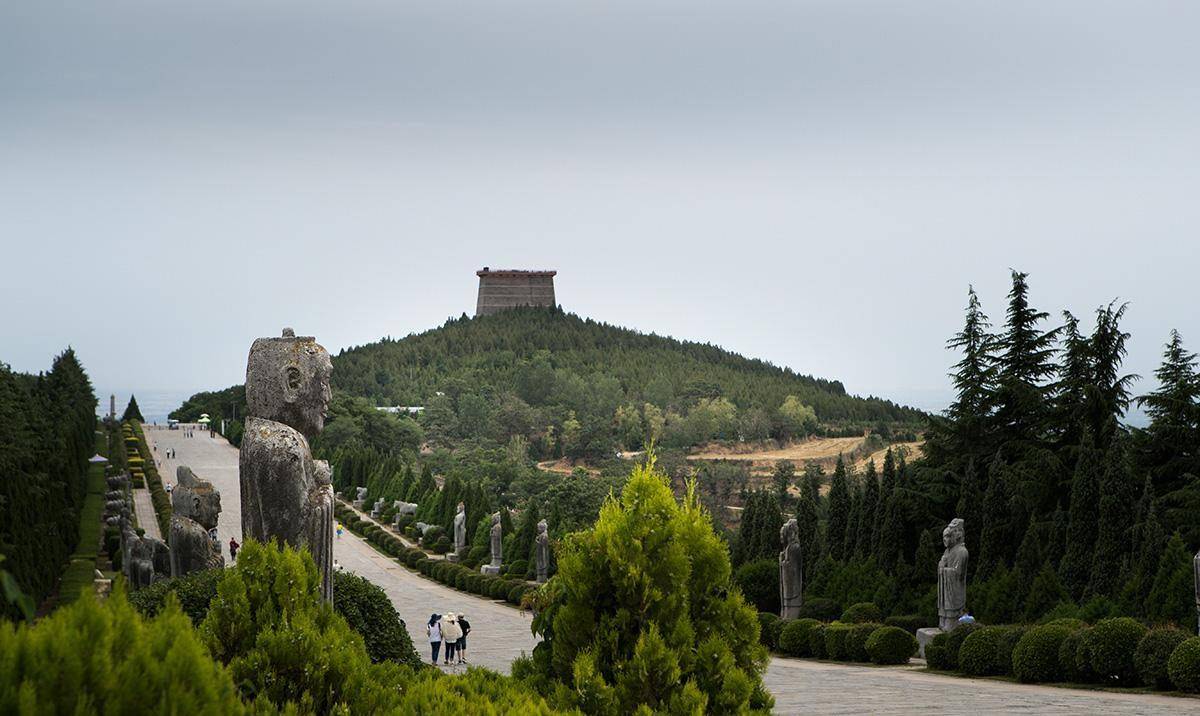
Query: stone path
x=500, y=633
x=143, y=507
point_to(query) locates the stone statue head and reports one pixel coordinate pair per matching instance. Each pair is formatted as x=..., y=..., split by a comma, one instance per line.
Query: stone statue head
x=542, y=527
x=954, y=534
x=462, y=507
x=195, y=498
x=495, y=519
x=287, y=380
x=790, y=532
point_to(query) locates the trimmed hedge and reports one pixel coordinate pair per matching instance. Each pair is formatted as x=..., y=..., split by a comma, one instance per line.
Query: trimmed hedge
x=891, y=645
x=1152, y=654
x=911, y=622
x=796, y=637
x=937, y=652
x=1035, y=658
x=856, y=640
x=861, y=613
x=1075, y=657
x=835, y=640
x=821, y=609
x=1184, y=665
x=978, y=654
x=158, y=494
x=1112, y=643
x=955, y=639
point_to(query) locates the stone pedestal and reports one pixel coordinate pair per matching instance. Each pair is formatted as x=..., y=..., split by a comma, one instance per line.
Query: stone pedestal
x=924, y=636
x=490, y=570
x=451, y=557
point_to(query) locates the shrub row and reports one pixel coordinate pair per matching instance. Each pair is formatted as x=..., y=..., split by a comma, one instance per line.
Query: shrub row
x=1118, y=651
x=840, y=641
x=158, y=494
x=451, y=574
x=80, y=572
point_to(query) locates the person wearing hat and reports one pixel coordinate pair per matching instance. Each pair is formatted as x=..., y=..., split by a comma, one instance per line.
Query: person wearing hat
x=451, y=633
x=434, y=630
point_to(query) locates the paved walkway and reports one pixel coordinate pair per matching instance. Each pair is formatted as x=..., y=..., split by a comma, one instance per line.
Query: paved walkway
x=500, y=633
x=143, y=507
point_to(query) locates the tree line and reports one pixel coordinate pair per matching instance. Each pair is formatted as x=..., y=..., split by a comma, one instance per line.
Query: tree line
x=47, y=434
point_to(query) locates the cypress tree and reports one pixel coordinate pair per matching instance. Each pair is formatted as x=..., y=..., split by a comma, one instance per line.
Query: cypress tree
x=995, y=542
x=785, y=472
x=1173, y=598
x=813, y=476
x=1029, y=560
x=869, y=525
x=1044, y=594
x=807, y=523
x=854, y=523
x=132, y=412
x=839, y=512
x=972, y=490
x=1081, y=522
x=1112, y=537
x=1146, y=547
x=1057, y=543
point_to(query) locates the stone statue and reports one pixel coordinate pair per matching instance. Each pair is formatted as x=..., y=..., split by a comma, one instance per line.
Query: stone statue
x=952, y=576
x=160, y=557
x=286, y=494
x=404, y=508
x=141, y=563
x=377, y=509
x=497, y=547
x=460, y=531
x=542, y=552
x=1196, y=573
x=195, y=509
x=791, y=571
x=360, y=497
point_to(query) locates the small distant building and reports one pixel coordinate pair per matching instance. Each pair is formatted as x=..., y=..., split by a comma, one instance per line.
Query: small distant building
x=397, y=409
x=509, y=288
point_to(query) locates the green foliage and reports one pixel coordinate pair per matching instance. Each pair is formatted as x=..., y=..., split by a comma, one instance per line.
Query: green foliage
x=1075, y=657
x=836, y=634
x=979, y=651
x=131, y=411
x=891, y=645
x=1172, y=596
x=758, y=531
x=1153, y=653
x=911, y=622
x=368, y=611
x=937, y=652
x=821, y=609
x=646, y=595
x=759, y=582
x=48, y=424
x=193, y=592
x=1112, y=643
x=1184, y=665
x=816, y=640
x=85, y=657
x=1035, y=658
x=955, y=639
x=861, y=612
x=796, y=637
x=770, y=628
x=856, y=641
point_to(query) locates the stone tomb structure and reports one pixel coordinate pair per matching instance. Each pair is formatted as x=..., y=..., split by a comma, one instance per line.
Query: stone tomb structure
x=286, y=494
x=502, y=289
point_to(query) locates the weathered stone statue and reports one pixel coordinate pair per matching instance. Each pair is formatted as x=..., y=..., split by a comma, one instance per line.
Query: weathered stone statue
x=377, y=509
x=141, y=563
x=460, y=532
x=195, y=509
x=360, y=497
x=542, y=552
x=404, y=508
x=286, y=494
x=952, y=576
x=497, y=547
x=791, y=571
x=160, y=557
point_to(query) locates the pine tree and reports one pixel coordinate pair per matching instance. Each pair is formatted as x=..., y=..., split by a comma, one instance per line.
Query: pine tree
x=1074, y=383
x=132, y=412
x=813, y=477
x=1173, y=437
x=1112, y=537
x=1025, y=362
x=807, y=523
x=1172, y=598
x=785, y=472
x=1109, y=394
x=854, y=523
x=1081, y=524
x=962, y=430
x=869, y=526
x=1146, y=547
x=839, y=512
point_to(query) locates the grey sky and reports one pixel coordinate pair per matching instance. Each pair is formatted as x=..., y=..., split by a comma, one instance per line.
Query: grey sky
x=813, y=183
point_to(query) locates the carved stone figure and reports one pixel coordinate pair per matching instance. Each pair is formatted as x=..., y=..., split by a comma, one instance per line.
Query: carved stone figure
x=195, y=510
x=141, y=562
x=542, y=552
x=952, y=576
x=497, y=547
x=460, y=530
x=160, y=557
x=360, y=497
x=791, y=571
x=286, y=494
x=405, y=508
x=377, y=509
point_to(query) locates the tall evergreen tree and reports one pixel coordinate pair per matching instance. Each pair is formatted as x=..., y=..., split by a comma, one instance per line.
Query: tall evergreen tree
x=1074, y=383
x=785, y=472
x=1146, y=547
x=997, y=531
x=839, y=512
x=808, y=522
x=1081, y=523
x=1171, y=443
x=962, y=430
x=1113, y=525
x=869, y=525
x=132, y=412
x=1024, y=363
x=1109, y=395
x=1172, y=598
x=813, y=477
x=972, y=490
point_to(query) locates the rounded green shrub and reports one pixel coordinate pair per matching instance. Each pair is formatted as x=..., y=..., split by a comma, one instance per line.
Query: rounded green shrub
x=835, y=641
x=1035, y=658
x=1113, y=642
x=1069, y=622
x=954, y=641
x=937, y=652
x=1152, y=654
x=821, y=609
x=1009, y=639
x=1184, y=665
x=977, y=655
x=1075, y=657
x=759, y=582
x=369, y=611
x=891, y=645
x=856, y=640
x=796, y=637
x=515, y=594
x=861, y=613
x=816, y=639
x=770, y=627
x=517, y=568
x=414, y=556
x=911, y=622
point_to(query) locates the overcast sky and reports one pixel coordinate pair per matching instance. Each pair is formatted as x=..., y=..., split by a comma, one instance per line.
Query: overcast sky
x=812, y=183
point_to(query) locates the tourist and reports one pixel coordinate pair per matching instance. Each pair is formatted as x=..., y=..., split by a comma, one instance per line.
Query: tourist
x=462, y=640
x=337, y=567
x=169, y=487
x=451, y=633
x=233, y=548
x=434, y=630
x=339, y=530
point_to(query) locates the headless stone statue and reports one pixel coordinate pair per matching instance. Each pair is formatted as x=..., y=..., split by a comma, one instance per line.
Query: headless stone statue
x=286, y=494
x=791, y=572
x=195, y=509
x=542, y=552
x=460, y=531
x=952, y=576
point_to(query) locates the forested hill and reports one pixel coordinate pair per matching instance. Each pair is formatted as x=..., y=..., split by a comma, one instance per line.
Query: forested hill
x=537, y=352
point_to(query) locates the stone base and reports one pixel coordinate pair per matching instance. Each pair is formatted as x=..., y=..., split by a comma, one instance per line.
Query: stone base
x=490, y=570
x=924, y=636
x=451, y=557
x=358, y=504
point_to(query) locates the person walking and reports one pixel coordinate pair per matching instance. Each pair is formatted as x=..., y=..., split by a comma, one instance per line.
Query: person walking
x=461, y=648
x=434, y=630
x=339, y=530
x=451, y=633
x=233, y=548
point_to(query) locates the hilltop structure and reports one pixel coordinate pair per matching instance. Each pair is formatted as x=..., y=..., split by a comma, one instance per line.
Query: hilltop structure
x=509, y=288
